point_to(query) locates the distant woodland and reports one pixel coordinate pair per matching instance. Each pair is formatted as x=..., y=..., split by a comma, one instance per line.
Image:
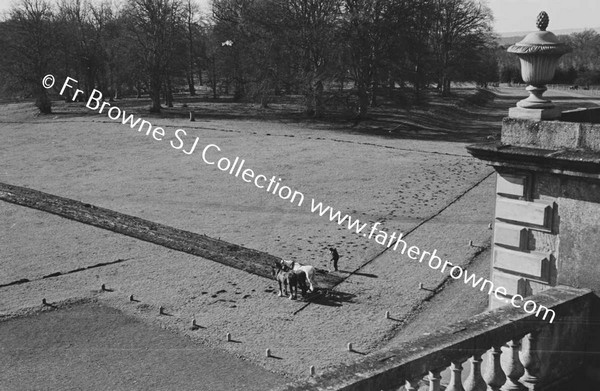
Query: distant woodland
x=579, y=68
x=257, y=50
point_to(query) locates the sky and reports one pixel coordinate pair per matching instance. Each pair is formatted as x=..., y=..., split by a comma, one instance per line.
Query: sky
x=520, y=15
x=515, y=15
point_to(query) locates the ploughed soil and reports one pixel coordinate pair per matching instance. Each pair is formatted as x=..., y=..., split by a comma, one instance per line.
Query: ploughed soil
x=406, y=169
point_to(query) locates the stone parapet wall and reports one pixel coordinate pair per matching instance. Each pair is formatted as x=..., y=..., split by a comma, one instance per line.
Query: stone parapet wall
x=559, y=351
x=556, y=135
x=547, y=218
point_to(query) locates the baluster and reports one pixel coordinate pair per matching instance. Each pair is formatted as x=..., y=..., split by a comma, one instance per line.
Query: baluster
x=455, y=383
x=512, y=367
x=475, y=381
x=434, y=380
x=531, y=361
x=494, y=376
x=412, y=385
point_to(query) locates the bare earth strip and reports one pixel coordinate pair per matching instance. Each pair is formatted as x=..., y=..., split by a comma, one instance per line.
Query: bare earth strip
x=229, y=254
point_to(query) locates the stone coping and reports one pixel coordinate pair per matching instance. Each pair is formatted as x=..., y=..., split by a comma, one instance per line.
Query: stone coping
x=571, y=162
x=591, y=115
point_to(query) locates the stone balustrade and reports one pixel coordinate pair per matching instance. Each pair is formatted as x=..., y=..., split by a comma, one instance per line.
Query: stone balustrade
x=505, y=349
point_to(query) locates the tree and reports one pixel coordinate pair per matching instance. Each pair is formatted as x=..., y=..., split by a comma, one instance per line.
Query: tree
x=253, y=49
x=585, y=56
x=409, y=53
x=191, y=9
x=477, y=62
x=365, y=41
x=460, y=29
x=28, y=48
x=155, y=25
x=83, y=44
x=230, y=44
x=309, y=31
x=419, y=20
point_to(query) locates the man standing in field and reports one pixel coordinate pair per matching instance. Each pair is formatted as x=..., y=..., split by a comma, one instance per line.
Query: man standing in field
x=334, y=259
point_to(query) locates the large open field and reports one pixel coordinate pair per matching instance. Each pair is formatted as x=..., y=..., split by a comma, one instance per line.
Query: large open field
x=409, y=172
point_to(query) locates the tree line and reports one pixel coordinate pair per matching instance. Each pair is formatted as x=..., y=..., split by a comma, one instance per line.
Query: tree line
x=251, y=49
x=258, y=49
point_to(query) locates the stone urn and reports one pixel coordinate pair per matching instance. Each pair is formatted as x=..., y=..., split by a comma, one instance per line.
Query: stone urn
x=538, y=53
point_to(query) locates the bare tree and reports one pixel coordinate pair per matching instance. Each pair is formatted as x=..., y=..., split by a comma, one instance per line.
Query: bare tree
x=457, y=22
x=154, y=24
x=192, y=26
x=251, y=48
x=365, y=38
x=28, y=48
x=310, y=30
x=231, y=44
x=414, y=21
x=82, y=31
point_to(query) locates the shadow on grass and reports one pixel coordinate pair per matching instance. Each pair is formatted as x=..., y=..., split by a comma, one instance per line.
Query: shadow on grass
x=331, y=298
x=468, y=116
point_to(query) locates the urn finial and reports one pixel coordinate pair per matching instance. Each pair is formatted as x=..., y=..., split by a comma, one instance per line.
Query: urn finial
x=539, y=52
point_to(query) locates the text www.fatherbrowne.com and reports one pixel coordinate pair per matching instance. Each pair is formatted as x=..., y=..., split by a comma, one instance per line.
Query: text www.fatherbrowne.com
x=395, y=242
x=272, y=184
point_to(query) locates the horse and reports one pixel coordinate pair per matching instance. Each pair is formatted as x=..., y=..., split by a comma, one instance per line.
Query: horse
x=301, y=280
x=286, y=279
x=308, y=270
